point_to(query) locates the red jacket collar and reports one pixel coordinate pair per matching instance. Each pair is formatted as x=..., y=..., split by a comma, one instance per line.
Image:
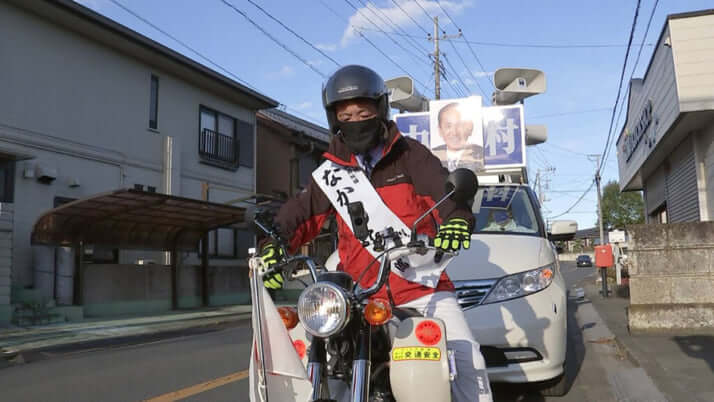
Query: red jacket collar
x=337, y=150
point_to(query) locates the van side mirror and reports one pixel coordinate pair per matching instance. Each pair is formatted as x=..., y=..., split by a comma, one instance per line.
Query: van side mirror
x=562, y=230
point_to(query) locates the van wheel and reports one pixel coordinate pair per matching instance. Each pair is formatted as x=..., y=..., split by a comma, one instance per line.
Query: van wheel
x=558, y=386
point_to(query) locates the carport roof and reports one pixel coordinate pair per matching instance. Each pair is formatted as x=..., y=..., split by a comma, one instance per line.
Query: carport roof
x=133, y=219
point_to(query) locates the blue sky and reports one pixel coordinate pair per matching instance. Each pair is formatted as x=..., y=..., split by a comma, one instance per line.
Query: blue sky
x=582, y=81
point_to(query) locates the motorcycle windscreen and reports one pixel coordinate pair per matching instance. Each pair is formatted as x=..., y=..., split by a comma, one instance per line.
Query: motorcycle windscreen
x=287, y=376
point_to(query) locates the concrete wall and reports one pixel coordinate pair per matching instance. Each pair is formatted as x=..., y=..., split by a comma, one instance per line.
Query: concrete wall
x=671, y=276
x=116, y=289
x=693, y=58
x=81, y=108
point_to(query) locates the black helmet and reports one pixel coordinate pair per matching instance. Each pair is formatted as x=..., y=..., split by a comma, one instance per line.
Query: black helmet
x=352, y=82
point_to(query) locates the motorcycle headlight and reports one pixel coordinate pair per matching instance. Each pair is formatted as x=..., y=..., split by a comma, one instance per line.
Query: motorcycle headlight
x=323, y=309
x=521, y=284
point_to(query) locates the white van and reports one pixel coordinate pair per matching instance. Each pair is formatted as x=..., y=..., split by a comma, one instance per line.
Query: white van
x=511, y=289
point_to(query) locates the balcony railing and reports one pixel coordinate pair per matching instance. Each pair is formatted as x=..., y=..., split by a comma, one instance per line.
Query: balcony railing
x=218, y=147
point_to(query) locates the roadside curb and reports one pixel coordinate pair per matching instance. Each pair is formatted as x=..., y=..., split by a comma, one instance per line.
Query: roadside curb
x=34, y=350
x=592, y=292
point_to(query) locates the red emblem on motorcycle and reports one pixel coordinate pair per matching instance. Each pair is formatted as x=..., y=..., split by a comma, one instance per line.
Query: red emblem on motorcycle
x=300, y=348
x=428, y=332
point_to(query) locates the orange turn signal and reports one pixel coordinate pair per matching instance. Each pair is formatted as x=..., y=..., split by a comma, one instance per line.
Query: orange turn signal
x=289, y=316
x=377, y=311
x=547, y=273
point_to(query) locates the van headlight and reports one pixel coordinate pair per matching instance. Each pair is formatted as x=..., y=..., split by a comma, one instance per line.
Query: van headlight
x=323, y=309
x=521, y=284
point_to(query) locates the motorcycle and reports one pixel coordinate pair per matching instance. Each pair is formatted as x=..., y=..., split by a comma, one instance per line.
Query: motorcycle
x=352, y=346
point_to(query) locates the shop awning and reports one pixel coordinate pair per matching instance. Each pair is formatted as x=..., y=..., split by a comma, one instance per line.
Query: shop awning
x=133, y=219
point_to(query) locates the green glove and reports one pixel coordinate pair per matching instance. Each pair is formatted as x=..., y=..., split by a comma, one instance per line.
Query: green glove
x=453, y=235
x=271, y=254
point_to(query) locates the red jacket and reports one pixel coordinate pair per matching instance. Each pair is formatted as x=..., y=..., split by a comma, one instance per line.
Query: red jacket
x=409, y=179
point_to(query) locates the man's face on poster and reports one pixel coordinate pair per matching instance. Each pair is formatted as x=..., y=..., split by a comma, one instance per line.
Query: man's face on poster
x=453, y=130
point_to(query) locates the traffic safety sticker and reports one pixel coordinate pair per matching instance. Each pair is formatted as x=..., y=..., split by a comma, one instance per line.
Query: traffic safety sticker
x=416, y=353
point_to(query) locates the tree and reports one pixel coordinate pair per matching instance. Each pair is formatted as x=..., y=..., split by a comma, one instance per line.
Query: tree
x=620, y=209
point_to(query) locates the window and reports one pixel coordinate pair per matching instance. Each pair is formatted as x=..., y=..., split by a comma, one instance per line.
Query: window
x=230, y=243
x=506, y=209
x=154, y=103
x=224, y=140
x=7, y=180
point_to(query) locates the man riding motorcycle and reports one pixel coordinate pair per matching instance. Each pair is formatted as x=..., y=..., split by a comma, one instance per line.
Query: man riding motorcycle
x=409, y=179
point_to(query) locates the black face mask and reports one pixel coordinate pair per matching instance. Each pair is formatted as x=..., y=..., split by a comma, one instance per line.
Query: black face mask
x=360, y=136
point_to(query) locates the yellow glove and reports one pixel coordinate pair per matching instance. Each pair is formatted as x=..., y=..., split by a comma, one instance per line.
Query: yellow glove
x=453, y=235
x=271, y=254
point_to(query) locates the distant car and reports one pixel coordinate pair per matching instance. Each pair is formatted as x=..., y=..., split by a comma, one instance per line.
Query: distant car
x=584, y=261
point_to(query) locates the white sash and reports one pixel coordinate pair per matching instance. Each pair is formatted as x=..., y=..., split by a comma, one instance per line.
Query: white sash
x=343, y=185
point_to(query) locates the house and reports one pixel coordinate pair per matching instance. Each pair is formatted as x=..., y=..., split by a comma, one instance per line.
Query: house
x=288, y=144
x=666, y=150
x=90, y=106
x=666, y=146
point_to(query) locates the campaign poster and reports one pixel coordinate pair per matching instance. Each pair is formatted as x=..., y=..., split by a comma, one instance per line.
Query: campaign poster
x=504, y=137
x=415, y=126
x=457, y=133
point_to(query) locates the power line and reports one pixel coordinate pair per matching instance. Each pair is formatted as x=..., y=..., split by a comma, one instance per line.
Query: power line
x=473, y=52
x=399, y=45
x=411, y=18
x=425, y=13
x=528, y=45
x=458, y=77
x=602, y=109
x=303, y=115
x=486, y=97
x=386, y=56
x=576, y=202
x=634, y=68
x=294, y=33
x=175, y=39
x=383, y=17
x=619, y=87
x=274, y=39
x=202, y=56
x=563, y=149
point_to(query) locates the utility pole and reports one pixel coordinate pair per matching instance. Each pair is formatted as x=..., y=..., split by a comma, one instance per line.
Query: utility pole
x=437, y=73
x=540, y=178
x=437, y=62
x=603, y=271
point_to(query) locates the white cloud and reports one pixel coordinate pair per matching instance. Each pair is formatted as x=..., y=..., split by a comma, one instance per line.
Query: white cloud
x=327, y=47
x=303, y=105
x=478, y=74
x=284, y=72
x=314, y=63
x=362, y=17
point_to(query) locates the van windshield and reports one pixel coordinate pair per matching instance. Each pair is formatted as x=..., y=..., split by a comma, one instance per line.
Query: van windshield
x=505, y=209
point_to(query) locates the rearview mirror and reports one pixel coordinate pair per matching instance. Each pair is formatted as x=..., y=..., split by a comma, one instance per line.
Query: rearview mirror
x=562, y=230
x=464, y=184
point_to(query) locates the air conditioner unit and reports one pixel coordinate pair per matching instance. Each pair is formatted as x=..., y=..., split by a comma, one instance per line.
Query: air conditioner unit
x=45, y=174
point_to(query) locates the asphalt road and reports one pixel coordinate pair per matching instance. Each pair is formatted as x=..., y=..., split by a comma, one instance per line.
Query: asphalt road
x=136, y=372
x=212, y=366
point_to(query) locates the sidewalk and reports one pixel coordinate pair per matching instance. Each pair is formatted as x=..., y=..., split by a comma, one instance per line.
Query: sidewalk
x=681, y=365
x=17, y=341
